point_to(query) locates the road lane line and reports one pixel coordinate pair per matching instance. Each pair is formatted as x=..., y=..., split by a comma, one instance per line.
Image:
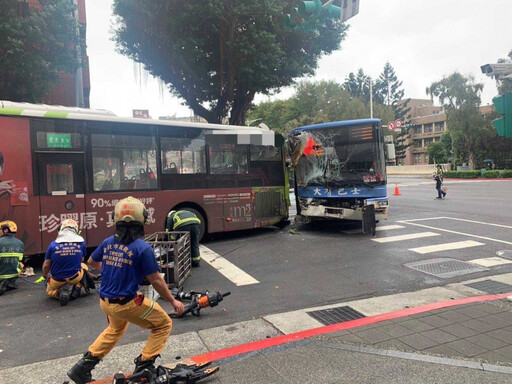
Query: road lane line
x=446, y=246
x=389, y=227
x=408, y=236
x=491, y=261
x=456, y=232
x=480, y=222
x=226, y=268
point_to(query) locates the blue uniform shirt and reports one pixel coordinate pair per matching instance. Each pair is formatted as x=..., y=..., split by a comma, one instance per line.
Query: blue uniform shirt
x=66, y=258
x=124, y=266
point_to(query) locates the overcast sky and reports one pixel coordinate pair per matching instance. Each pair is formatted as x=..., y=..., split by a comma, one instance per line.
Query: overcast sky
x=423, y=41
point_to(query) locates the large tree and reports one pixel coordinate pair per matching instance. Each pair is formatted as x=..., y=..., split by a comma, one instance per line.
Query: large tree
x=505, y=85
x=218, y=54
x=358, y=85
x=460, y=96
x=36, y=44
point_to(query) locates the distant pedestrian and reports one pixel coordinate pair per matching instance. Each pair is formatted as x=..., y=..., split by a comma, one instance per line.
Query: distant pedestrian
x=438, y=177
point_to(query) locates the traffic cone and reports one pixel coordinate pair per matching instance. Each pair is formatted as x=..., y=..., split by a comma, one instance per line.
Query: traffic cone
x=397, y=191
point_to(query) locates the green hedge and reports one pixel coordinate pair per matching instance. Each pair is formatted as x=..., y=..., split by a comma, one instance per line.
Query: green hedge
x=506, y=173
x=462, y=174
x=492, y=174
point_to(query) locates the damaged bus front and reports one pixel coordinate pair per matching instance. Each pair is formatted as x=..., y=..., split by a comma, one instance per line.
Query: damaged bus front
x=339, y=169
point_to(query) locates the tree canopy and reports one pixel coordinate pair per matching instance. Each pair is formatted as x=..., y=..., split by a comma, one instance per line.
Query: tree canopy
x=216, y=55
x=36, y=45
x=316, y=102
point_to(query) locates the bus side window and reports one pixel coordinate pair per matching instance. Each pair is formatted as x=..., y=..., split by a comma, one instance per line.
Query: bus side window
x=228, y=159
x=183, y=155
x=123, y=162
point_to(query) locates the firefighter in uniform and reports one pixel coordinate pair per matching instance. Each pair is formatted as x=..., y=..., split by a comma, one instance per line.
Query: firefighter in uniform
x=64, y=260
x=186, y=221
x=125, y=259
x=11, y=254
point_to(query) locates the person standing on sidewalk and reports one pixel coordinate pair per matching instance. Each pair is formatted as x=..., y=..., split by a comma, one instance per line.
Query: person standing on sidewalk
x=438, y=177
x=125, y=259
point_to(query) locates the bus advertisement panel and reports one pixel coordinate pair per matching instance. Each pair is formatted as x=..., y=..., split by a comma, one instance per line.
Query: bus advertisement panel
x=58, y=163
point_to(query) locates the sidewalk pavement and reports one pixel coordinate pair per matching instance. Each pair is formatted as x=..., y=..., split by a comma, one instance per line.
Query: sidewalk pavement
x=465, y=340
x=462, y=343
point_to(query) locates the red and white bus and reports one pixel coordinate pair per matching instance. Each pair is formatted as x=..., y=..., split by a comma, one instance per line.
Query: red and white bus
x=61, y=162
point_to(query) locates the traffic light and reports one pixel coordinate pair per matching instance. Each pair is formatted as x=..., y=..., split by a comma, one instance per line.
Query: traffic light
x=310, y=15
x=503, y=105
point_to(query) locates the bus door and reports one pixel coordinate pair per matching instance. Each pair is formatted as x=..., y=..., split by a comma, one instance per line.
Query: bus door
x=62, y=193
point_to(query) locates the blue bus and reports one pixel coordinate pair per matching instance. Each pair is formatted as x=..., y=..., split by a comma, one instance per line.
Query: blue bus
x=339, y=170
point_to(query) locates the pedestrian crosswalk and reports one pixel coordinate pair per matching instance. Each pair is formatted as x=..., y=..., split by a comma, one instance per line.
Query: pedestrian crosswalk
x=446, y=246
x=408, y=236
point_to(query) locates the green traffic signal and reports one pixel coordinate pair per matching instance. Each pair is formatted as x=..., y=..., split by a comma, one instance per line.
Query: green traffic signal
x=503, y=105
x=310, y=15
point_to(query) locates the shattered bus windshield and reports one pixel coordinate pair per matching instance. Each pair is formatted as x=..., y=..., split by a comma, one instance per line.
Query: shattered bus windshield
x=339, y=156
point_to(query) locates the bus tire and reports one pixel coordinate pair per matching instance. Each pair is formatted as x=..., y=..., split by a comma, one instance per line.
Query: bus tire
x=282, y=224
x=202, y=230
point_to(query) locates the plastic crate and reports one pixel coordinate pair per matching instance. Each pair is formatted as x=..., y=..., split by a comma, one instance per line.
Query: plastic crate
x=172, y=250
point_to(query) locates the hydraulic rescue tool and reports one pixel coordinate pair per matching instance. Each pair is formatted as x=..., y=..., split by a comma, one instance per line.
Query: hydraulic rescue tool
x=181, y=373
x=197, y=300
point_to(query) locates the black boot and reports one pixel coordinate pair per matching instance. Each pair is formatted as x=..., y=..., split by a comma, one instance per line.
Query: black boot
x=64, y=294
x=141, y=365
x=75, y=292
x=81, y=371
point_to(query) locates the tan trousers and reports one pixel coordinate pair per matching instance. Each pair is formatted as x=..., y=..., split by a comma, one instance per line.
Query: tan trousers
x=147, y=315
x=53, y=285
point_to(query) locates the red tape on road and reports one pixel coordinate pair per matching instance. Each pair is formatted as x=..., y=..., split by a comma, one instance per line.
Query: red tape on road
x=292, y=337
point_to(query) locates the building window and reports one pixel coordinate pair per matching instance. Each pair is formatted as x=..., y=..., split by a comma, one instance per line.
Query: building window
x=123, y=162
x=428, y=141
x=418, y=158
x=417, y=129
x=429, y=127
x=183, y=155
x=417, y=143
x=440, y=126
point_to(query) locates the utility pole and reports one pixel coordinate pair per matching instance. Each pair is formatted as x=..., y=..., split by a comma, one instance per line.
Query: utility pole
x=371, y=99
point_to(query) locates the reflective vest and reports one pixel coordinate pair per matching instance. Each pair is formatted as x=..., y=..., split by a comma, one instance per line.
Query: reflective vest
x=176, y=219
x=11, y=254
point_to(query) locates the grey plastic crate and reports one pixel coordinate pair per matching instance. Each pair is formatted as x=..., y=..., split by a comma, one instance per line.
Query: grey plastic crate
x=172, y=250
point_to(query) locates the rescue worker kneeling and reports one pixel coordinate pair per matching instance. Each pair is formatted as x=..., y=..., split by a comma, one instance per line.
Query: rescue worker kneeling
x=186, y=221
x=64, y=262
x=11, y=254
x=125, y=259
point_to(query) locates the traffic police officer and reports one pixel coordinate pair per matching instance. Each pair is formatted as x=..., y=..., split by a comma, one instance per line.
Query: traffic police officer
x=125, y=259
x=64, y=259
x=11, y=254
x=186, y=221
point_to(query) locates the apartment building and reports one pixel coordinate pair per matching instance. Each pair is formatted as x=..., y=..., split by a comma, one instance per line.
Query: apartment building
x=428, y=124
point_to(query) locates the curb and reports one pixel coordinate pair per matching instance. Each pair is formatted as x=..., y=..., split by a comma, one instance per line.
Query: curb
x=294, y=337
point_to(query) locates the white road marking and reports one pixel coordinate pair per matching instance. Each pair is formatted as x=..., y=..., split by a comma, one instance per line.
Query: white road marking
x=226, y=268
x=408, y=236
x=491, y=261
x=446, y=246
x=388, y=227
x=480, y=222
x=383, y=228
x=455, y=232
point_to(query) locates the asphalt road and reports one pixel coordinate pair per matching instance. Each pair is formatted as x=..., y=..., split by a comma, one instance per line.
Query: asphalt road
x=321, y=264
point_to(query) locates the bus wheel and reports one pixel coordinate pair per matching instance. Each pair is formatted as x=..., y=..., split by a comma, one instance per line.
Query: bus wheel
x=202, y=230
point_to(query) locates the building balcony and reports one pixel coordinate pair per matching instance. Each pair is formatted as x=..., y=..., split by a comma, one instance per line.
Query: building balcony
x=418, y=149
